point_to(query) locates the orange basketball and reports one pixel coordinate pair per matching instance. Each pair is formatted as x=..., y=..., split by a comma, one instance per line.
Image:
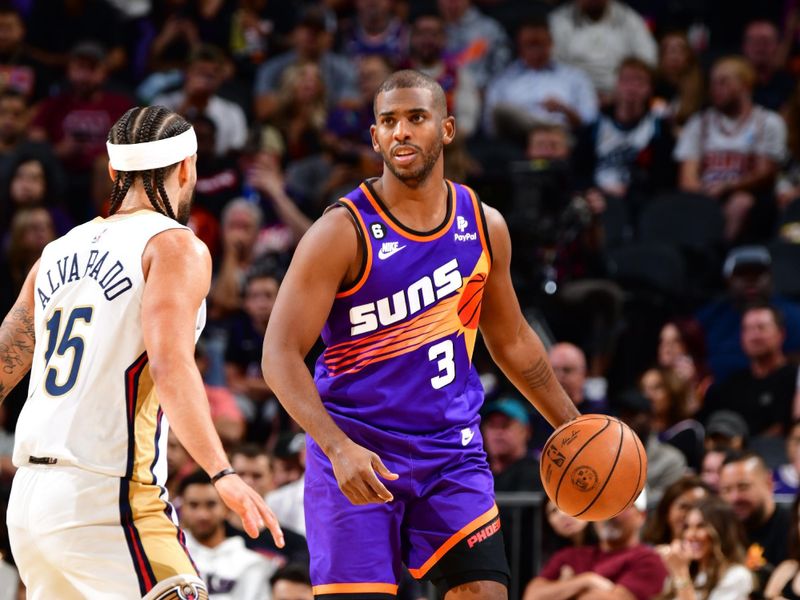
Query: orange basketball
x=593, y=467
x=469, y=304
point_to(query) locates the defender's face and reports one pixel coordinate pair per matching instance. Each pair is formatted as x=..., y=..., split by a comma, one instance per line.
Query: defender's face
x=410, y=132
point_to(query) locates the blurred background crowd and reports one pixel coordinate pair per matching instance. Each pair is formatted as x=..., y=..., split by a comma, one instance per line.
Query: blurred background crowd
x=646, y=155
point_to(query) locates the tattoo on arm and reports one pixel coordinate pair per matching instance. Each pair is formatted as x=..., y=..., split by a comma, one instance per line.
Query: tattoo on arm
x=538, y=375
x=17, y=340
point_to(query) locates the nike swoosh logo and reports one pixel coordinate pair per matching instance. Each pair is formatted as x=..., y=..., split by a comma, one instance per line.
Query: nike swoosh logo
x=384, y=254
x=466, y=436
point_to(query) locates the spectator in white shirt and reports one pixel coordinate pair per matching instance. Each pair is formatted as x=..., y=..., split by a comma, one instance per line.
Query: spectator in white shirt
x=203, y=78
x=229, y=570
x=732, y=150
x=596, y=35
x=539, y=89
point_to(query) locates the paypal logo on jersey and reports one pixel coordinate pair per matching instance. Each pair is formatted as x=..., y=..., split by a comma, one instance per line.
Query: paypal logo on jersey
x=461, y=225
x=424, y=292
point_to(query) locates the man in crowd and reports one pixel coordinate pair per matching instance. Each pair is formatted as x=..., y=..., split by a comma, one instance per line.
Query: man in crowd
x=732, y=150
x=291, y=582
x=763, y=392
x=535, y=88
x=618, y=567
x=746, y=484
x=204, y=76
x=229, y=569
x=761, y=48
x=597, y=35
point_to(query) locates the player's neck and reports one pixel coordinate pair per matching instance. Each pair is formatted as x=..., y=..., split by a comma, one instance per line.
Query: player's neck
x=420, y=207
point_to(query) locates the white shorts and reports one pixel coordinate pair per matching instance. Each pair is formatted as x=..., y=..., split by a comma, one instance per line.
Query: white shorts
x=78, y=534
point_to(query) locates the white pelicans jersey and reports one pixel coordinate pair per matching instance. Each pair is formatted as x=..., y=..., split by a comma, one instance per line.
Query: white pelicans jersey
x=91, y=401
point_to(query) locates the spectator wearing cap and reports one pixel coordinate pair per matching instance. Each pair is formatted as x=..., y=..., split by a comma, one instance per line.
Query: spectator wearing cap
x=748, y=276
x=618, y=567
x=506, y=432
x=311, y=42
x=287, y=500
x=76, y=122
x=786, y=477
x=665, y=464
x=746, y=484
x=732, y=150
x=203, y=77
x=582, y=27
x=763, y=392
x=474, y=40
x=726, y=430
x=535, y=88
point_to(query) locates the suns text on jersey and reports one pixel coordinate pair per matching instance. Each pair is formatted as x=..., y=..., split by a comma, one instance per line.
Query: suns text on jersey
x=108, y=273
x=422, y=293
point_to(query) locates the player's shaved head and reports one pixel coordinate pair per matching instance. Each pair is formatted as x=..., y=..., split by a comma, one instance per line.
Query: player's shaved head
x=408, y=78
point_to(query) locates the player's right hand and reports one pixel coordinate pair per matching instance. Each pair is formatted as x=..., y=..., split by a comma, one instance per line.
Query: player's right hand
x=356, y=470
x=251, y=508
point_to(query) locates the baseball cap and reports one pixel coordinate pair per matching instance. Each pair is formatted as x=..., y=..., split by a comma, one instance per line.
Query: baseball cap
x=746, y=256
x=728, y=424
x=510, y=407
x=89, y=50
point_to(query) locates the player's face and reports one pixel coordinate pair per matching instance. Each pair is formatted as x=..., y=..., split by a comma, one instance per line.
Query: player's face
x=410, y=132
x=291, y=590
x=202, y=511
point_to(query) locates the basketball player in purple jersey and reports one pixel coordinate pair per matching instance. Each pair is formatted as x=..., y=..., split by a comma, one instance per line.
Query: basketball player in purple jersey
x=397, y=277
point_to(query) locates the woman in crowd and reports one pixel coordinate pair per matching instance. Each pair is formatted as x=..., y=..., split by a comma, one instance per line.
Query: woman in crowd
x=682, y=348
x=784, y=584
x=31, y=230
x=670, y=397
x=679, y=79
x=668, y=520
x=706, y=563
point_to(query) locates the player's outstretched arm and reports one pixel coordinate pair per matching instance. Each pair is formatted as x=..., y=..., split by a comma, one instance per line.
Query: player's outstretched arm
x=514, y=346
x=323, y=260
x=177, y=269
x=17, y=338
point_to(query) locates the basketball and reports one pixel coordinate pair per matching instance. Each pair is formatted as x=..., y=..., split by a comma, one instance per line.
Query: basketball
x=594, y=467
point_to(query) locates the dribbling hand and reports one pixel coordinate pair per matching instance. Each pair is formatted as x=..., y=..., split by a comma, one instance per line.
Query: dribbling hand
x=251, y=508
x=356, y=470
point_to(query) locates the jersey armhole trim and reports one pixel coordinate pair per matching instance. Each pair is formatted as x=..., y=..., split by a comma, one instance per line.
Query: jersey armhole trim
x=366, y=247
x=483, y=229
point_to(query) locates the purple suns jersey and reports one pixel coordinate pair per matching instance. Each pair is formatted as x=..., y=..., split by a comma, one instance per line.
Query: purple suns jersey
x=400, y=339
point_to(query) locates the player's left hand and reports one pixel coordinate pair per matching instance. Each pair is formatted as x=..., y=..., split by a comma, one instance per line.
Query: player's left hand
x=251, y=508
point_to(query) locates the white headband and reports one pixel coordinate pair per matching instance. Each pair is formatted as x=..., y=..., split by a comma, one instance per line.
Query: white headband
x=152, y=155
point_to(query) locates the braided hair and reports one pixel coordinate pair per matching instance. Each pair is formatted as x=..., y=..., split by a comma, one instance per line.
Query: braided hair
x=138, y=125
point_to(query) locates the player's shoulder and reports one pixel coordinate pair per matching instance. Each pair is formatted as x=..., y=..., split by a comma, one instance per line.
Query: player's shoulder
x=177, y=243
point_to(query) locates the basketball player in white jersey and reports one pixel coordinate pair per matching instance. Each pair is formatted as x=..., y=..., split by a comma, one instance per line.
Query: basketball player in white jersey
x=106, y=322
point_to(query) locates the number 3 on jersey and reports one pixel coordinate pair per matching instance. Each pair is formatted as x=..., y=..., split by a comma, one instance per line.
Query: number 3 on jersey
x=68, y=341
x=443, y=354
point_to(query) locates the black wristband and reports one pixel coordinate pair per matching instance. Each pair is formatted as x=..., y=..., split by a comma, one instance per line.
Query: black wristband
x=223, y=473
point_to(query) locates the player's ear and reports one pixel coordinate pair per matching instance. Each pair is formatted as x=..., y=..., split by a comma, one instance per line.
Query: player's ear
x=112, y=172
x=375, y=146
x=449, y=128
x=184, y=169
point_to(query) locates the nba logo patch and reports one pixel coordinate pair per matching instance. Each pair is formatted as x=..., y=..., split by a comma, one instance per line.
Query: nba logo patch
x=556, y=456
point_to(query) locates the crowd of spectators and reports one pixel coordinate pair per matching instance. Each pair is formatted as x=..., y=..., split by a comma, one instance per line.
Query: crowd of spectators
x=646, y=155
